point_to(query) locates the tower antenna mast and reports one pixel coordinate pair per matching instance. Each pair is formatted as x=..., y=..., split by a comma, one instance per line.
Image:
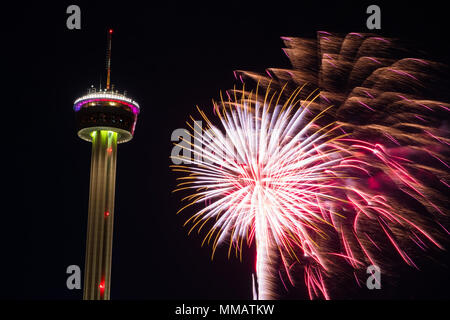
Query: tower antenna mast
x=108, y=61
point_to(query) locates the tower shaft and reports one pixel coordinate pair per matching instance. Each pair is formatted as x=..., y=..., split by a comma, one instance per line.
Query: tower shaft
x=97, y=276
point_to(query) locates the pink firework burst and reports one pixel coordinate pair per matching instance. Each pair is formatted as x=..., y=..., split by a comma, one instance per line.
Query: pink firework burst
x=353, y=176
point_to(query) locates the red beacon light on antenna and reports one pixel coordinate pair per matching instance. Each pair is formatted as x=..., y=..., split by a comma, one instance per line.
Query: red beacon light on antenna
x=110, y=31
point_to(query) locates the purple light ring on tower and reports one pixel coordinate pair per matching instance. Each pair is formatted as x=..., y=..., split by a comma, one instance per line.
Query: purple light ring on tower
x=108, y=97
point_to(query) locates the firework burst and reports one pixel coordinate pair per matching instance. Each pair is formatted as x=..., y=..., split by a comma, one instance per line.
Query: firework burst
x=283, y=172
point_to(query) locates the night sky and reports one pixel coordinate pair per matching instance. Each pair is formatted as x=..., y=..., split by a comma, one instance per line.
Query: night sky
x=169, y=58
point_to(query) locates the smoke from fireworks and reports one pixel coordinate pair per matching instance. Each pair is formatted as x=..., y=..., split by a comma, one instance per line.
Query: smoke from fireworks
x=345, y=176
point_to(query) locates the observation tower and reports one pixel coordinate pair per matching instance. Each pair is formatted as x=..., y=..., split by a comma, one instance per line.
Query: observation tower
x=105, y=118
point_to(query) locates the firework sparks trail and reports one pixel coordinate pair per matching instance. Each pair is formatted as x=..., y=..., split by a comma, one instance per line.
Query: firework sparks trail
x=287, y=173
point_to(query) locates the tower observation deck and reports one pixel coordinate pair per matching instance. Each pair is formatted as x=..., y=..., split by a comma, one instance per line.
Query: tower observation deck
x=104, y=118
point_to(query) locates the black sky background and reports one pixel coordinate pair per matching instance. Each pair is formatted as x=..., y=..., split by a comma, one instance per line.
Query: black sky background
x=169, y=57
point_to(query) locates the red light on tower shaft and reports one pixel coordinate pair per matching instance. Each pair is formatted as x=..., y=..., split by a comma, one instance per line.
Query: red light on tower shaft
x=110, y=31
x=101, y=286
